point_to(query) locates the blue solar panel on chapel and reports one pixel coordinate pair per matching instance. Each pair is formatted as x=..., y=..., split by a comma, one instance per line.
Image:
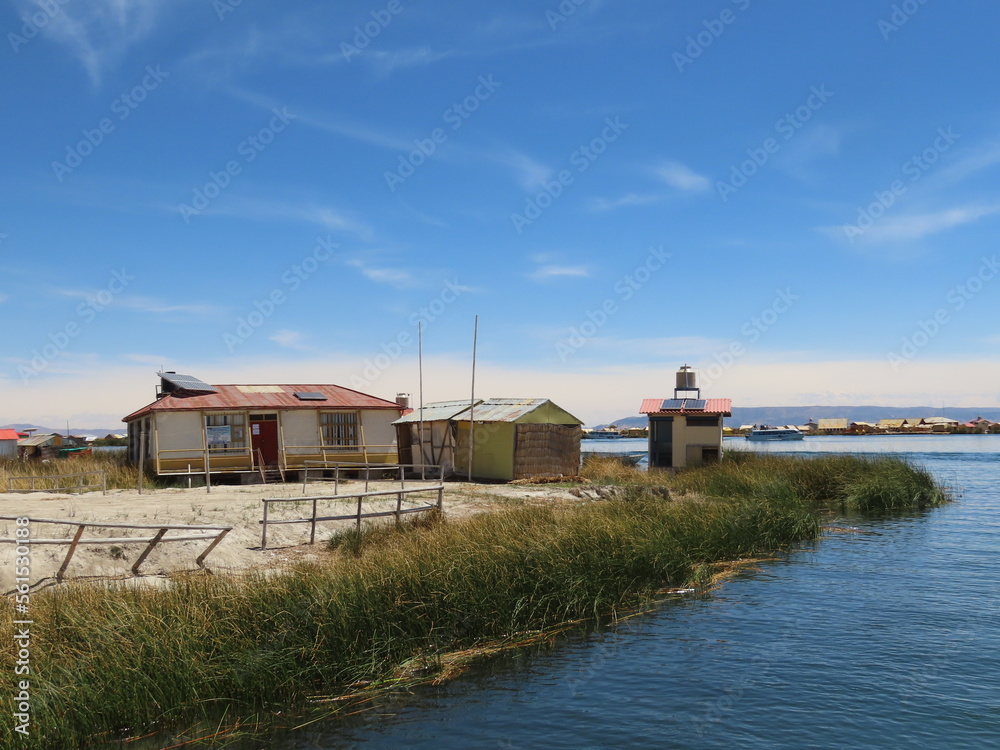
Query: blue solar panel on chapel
x=672, y=403
x=695, y=404
x=184, y=383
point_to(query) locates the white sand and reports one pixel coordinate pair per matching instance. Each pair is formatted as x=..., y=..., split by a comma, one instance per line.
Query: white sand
x=236, y=506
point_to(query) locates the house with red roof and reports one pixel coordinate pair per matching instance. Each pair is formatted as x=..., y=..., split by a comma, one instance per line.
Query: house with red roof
x=685, y=430
x=8, y=443
x=193, y=426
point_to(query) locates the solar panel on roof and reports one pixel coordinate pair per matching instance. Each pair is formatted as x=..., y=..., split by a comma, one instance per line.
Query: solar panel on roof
x=309, y=396
x=672, y=403
x=694, y=404
x=186, y=382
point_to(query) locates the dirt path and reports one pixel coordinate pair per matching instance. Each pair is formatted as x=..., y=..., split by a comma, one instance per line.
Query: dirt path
x=236, y=506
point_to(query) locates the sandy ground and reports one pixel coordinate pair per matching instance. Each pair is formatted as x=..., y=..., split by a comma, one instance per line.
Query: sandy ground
x=236, y=506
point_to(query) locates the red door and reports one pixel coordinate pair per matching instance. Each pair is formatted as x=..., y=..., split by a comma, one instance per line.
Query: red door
x=264, y=441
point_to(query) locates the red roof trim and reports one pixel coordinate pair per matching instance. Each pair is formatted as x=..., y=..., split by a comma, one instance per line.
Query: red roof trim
x=230, y=398
x=713, y=406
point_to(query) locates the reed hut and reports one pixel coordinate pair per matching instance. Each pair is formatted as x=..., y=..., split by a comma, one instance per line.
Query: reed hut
x=514, y=438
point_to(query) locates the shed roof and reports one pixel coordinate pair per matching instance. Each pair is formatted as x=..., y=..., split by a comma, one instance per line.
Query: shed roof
x=891, y=422
x=269, y=398
x=940, y=420
x=833, y=424
x=9, y=435
x=37, y=440
x=486, y=410
x=713, y=406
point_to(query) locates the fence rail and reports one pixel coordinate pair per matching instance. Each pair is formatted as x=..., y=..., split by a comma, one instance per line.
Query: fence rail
x=79, y=487
x=357, y=516
x=336, y=466
x=151, y=542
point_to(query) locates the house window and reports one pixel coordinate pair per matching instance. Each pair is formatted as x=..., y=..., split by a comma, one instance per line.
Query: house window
x=702, y=421
x=237, y=433
x=340, y=430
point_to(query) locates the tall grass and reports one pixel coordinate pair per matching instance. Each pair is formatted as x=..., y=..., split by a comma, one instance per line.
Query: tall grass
x=856, y=483
x=106, y=661
x=121, y=474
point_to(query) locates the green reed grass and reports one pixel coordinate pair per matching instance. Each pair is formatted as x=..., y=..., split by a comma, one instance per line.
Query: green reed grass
x=109, y=661
x=121, y=473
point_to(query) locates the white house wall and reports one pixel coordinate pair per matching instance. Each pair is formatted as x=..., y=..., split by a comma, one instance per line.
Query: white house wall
x=179, y=431
x=300, y=429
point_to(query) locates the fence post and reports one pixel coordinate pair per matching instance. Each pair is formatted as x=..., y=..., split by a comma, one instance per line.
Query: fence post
x=399, y=505
x=149, y=548
x=208, y=473
x=368, y=474
x=72, y=549
x=360, y=498
x=104, y=483
x=336, y=480
x=142, y=457
x=263, y=537
x=305, y=477
x=312, y=535
x=440, y=498
x=79, y=485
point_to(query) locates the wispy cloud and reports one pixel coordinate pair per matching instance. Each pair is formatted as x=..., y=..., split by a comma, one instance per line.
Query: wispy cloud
x=529, y=173
x=630, y=199
x=552, y=271
x=98, y=32
x=326, y=217
x=915, y=226
x=3, y=298
x=289, y=339
x=682, y=177
x=397, y=277
x=140, y=304
x=153, y=360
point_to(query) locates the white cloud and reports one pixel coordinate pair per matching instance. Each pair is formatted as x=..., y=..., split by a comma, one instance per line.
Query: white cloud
x=397, y=277
x=287, y=338
x=679, y=176
x=326, y=217
x=98, y=32
x=544, y=273
x=909, y=227
x=630, y=199
x=115, y=390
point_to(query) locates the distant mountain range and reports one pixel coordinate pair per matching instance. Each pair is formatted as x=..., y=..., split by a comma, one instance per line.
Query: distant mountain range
x=39, y=430
x=779, y=415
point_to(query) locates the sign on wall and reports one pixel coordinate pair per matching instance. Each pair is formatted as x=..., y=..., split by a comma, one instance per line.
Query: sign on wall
x=218, y=435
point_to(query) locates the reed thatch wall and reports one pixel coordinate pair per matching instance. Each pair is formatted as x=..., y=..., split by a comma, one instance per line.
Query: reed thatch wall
x=546, y=450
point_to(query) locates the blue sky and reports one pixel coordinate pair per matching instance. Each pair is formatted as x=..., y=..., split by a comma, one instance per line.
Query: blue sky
x=801, y=199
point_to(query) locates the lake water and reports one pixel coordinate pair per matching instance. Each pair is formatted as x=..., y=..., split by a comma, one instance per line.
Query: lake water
x=884, y=637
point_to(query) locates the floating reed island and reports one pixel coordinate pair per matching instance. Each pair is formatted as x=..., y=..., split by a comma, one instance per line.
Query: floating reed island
x=209, y=656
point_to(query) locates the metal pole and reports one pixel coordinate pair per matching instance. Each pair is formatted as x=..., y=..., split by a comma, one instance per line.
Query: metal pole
x=142, y=457
x=208, y=473
x=263, y=536
x=420, y=378
x=360, y=498
x=472, y=400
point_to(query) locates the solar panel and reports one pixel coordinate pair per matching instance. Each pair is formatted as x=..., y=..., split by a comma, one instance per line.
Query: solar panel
x=186, y=382
x=672, y=403
x=309, y=396
x=694, y=404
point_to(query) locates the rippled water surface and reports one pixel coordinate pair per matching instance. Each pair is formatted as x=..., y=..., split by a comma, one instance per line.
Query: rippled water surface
x=884, y=637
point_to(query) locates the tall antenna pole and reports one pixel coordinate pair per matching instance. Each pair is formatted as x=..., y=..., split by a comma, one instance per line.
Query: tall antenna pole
x=472, y=400
x=420, y=379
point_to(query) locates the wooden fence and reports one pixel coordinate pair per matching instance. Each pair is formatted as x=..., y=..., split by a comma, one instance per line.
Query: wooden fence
x=160, y=536
x=102, y=485
x=313, y=519
x=399, y=470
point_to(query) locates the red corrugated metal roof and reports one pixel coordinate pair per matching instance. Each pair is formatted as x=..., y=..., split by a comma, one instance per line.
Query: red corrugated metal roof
x=9, y=435
x=722, y=406
x=231, y=398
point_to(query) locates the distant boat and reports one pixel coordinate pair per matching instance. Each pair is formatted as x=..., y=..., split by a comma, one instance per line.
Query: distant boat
x=604, y=434
x=765, y=432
